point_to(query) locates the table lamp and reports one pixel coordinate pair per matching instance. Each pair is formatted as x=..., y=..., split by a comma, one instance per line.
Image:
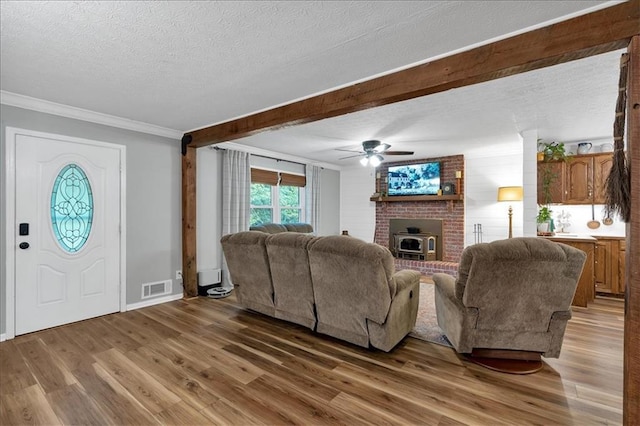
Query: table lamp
x=510, y=193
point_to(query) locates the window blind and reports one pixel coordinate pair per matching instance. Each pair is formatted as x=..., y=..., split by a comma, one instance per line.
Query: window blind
x=264, y=176
x=292, y=180
x=271, y=178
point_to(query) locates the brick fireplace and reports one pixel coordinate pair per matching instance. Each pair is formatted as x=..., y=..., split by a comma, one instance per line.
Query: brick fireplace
x=451, y=213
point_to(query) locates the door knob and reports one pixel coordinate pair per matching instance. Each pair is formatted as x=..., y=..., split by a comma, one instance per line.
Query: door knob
x=24, y=246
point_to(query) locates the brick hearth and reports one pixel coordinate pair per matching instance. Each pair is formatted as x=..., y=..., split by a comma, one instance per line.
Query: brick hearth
x=451, y=212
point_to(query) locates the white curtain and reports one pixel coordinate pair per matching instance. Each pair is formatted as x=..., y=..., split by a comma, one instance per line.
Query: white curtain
x=236, y=196
x=312, y=191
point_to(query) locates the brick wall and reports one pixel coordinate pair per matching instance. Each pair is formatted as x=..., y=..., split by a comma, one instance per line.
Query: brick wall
x=451, y=212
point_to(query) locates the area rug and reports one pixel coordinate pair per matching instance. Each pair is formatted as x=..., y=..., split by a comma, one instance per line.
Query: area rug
x=426, y=324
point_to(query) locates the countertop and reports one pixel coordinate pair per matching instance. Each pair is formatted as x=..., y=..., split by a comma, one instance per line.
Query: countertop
x=572, y=237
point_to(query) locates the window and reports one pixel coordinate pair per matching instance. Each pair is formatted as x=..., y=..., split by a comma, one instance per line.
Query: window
x=276, y=197
x=71, y=208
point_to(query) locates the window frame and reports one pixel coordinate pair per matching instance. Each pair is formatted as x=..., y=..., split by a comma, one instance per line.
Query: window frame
x=275, y=207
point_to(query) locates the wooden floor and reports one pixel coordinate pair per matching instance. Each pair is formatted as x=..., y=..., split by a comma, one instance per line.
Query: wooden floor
x=206, y=361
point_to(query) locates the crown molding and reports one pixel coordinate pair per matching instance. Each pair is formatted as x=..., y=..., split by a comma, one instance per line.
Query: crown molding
x=40, y=105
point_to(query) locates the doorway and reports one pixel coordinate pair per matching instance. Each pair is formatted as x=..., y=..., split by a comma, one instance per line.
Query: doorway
x=65, y=213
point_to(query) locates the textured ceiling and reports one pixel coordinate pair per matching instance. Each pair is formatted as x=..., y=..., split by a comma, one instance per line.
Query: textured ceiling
x=185, y=65
x=570, y=102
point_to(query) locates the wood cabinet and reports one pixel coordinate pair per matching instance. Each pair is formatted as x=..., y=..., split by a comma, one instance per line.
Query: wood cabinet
x=585, y=291
x=601, y=167
x=603, y=266
x=622, y=264
x=553, y=171
x=610, y=265
x=579, y=180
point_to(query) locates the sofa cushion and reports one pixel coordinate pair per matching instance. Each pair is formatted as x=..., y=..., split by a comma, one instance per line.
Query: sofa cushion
x=248, y=264
x=299, y=227
x=352, y=282
x=269, y=228
x=291, y=277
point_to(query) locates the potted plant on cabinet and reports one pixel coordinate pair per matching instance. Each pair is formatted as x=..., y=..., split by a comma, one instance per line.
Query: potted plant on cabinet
x=544, y=220
x=553, y=151
x=549, y=172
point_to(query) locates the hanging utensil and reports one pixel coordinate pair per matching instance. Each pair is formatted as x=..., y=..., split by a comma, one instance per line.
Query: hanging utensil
x=607, y=220
x=593, y=223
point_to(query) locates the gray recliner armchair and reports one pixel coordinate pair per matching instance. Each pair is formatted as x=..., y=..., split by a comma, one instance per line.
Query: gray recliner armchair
x=511, y=296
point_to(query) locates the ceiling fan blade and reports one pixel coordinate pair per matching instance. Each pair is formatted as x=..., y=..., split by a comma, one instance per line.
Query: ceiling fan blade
x=348, y=150
x=351, y=156
x=382, y=148
x=398, y=152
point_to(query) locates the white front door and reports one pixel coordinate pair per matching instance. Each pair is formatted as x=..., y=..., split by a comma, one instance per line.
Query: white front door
x=67, y=230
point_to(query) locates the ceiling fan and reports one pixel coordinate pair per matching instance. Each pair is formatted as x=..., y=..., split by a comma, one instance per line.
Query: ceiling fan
x=371, y=152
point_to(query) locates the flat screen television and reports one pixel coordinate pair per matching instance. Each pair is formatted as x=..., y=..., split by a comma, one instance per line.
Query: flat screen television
x=414, y=179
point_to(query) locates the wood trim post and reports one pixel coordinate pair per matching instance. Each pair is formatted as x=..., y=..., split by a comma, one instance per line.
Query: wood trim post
x=631, y=391
x=189, y=194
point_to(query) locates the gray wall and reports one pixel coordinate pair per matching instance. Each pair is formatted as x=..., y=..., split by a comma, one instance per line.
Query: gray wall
x=153, y=196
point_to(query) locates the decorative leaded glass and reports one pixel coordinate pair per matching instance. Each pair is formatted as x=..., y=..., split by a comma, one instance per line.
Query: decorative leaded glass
x=71, y=208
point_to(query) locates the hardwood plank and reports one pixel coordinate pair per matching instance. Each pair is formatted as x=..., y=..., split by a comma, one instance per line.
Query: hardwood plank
x=147, y=391
x=14, y=372
x=85, y=335
x=116, y=403
x=74, y=407
x=301, y=407
x=48, y=373
x=252, y=369
x=222, y=412
x=266, y=410
x=367, y=413
x=294, y=379
x=65, y=349
x=113, y=337
x=139, y=327
x=179, y=414
x=27, y=406
x=176, y=374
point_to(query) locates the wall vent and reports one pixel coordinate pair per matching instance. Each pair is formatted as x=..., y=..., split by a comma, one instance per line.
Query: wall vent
x=159, y=288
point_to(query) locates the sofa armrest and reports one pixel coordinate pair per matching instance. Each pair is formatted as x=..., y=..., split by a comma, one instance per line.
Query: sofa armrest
x=446, y=283
x=401, y=317
x=405, y=279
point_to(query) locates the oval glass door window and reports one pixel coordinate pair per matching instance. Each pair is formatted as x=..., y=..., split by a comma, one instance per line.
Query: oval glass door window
x=71, y=208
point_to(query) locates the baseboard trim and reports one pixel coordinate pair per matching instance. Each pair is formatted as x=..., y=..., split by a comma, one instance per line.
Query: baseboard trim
x=3, y=337
x=156, y=301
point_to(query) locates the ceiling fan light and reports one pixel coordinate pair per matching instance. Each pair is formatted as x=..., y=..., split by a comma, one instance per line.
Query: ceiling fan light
x=375, y=160
x=364, y=161
x=382, y=147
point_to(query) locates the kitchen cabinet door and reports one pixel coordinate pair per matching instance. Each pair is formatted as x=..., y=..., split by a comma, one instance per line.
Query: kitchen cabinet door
x=601, y=168
x=579, y=180
x=554, y=172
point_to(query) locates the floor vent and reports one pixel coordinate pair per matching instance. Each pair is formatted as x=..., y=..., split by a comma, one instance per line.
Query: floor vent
x=159, y=288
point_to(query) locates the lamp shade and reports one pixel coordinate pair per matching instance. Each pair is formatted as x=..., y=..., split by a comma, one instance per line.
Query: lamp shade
x=510, y=193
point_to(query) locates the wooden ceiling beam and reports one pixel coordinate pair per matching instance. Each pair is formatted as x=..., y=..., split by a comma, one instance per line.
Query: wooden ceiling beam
x=595, y=33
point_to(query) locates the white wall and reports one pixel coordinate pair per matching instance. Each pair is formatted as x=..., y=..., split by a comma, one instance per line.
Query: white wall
x=208, y=211
x=330, y=206
x=487, y=169
x=357, y=213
